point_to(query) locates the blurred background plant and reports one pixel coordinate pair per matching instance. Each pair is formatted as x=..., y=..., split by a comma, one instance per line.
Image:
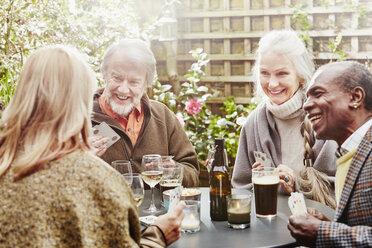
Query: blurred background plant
x=200, y=124
x=89, y=25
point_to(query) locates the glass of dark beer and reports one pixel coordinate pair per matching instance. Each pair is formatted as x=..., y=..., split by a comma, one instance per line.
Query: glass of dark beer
x=265, y=183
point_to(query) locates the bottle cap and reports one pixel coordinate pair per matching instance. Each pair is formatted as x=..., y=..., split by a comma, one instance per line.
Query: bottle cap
x=219, y=142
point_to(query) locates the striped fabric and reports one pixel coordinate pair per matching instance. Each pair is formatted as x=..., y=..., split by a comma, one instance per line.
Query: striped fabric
x=356, y=137
x=352, y=225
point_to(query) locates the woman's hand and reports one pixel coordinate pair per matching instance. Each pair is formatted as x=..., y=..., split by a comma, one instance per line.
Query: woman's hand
x=170, y=223
x=256, y=164
x=286, y=179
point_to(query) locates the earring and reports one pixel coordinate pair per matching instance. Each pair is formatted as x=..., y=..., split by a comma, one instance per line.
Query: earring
x=355, y=105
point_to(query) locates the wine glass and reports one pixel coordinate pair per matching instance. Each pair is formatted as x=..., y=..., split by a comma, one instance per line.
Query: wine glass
x=152, y=172
x=172, y=174
x=125, y=168
x=138, y=188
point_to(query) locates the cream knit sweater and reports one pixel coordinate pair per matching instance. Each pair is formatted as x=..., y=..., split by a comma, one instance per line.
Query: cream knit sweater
x=288, y=121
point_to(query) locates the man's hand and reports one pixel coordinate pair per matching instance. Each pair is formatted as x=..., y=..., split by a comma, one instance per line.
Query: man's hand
x=317, y=214
x=99, y=144
x=170, y=223
x=304, y=228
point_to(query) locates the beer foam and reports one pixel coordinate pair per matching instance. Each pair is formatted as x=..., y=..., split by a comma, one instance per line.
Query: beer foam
x=266, y=180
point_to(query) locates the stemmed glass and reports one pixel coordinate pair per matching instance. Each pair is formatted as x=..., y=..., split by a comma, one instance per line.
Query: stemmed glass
x=138, y=188
x=152, y=172
x=172, y=174
x=125, y=168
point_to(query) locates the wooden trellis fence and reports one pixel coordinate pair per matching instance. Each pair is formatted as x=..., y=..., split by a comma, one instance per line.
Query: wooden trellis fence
x=229, y=31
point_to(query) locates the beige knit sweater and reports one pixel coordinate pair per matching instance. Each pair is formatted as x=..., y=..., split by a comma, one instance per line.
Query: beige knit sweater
x=75, y=201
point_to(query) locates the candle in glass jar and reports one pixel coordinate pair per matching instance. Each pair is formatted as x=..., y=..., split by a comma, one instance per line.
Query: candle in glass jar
x=190, y=222
x=239, y=211
x=239, y=215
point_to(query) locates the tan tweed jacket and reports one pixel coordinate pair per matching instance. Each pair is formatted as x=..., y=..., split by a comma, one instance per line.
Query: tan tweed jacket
x=352, y=224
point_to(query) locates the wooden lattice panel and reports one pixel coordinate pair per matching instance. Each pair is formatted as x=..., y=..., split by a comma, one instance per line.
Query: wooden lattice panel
x=229, y=31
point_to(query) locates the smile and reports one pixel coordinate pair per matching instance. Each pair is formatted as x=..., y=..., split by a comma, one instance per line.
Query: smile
x=276, y=92
x=315, y=117
x=122, y=97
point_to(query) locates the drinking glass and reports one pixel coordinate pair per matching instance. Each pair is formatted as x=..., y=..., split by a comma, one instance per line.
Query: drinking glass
x=191, y=221
x=172, y=174
x=138, y=188
x=125, y=168
x=239, y=211
x=265, y=183
x=152, y=172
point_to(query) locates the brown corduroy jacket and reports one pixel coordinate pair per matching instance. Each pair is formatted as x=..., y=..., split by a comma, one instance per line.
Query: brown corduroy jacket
x=161, y=133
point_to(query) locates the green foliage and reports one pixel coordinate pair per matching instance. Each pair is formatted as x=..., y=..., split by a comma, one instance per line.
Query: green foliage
x=300, y=19
x=90, y=25
x=361, y=10
x=6, y=89
x=203, y=127
x=325, y=3
x=229, y=124
x=334, y=46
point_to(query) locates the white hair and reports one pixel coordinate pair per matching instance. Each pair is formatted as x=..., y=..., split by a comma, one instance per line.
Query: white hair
x=288, y=43
x=137, y=51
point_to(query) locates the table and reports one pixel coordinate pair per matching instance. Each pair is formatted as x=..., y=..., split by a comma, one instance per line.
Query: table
x=262, y=232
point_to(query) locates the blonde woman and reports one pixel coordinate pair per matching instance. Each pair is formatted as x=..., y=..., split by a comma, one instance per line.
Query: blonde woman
x=283, y=70
x=53, y=191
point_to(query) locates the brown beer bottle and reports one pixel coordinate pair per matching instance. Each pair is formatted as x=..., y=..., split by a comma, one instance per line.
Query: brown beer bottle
x=219, y=180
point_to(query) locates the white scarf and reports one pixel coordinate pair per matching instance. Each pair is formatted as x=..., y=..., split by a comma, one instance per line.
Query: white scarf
x=289, y=109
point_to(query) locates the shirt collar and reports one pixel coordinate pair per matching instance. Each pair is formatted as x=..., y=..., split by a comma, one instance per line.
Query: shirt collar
x=355, y=138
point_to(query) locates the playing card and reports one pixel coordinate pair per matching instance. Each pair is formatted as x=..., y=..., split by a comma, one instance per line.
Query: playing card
x=174, y=197
x=262, y=158
x=147, y=220
x=297, y=203
x=105, y=130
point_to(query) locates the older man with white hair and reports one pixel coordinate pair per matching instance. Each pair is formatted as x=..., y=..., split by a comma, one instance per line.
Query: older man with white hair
x=145, y=126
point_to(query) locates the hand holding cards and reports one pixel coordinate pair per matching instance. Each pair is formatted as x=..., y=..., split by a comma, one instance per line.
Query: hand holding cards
x=175, y=196
x=105, y=130
x=262, y=158
x=148, y=220
x=297, y=204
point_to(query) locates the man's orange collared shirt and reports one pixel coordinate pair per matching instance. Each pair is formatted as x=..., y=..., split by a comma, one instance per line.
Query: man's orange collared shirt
x=132, y=125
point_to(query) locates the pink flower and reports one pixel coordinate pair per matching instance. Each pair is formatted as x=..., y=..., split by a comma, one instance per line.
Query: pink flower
x=193, y=106
x=180, y=119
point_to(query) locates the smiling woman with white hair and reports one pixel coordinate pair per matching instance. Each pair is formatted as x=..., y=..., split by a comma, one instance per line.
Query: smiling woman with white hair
x=277, y=128
x=53, y=191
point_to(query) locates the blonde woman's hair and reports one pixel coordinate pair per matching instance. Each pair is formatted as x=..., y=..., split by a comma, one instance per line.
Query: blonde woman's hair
x=311, y=182
x=49, y=114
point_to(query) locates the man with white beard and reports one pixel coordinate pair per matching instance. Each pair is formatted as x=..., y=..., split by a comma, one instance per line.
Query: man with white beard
x=145, y=126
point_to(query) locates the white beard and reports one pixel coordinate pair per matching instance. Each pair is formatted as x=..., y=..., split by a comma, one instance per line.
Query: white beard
x=122, y=110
